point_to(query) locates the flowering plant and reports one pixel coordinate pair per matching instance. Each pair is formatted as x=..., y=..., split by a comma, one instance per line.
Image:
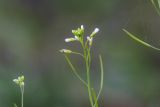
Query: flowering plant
x=20, y=82
x=86, y=55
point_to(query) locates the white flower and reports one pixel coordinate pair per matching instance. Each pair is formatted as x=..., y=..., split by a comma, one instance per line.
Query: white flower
x=96, y=30
x=70, y=39
x=65, y=51
x=90, y=39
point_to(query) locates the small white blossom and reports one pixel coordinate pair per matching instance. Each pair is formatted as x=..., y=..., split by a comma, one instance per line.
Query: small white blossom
x=96, y=30
x=65, y=51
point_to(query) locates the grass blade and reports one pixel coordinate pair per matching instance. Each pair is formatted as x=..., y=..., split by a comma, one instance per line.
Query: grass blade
x=140, y=41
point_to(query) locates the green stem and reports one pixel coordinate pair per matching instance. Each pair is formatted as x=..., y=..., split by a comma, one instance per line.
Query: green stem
x=89, y=88
x=87, y=61
x=22, y=94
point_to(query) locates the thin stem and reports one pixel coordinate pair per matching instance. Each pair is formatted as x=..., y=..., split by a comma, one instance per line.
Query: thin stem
x=86, y=55
x=86, y=43
x=83, y=46
x=89, y=87
x=89, y=58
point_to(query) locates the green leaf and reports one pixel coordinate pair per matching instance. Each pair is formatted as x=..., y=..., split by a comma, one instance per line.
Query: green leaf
x=101, y=83
x=74, y=71
x=140, y=41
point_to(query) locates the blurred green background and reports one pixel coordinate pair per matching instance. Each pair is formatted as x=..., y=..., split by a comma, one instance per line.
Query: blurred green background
x=33, y=31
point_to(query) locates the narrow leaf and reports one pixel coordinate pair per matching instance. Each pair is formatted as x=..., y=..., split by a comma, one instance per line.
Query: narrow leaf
x=102, y=72
x=101, y=83
x=140, y=41
x=155, y=6
x=74, y=71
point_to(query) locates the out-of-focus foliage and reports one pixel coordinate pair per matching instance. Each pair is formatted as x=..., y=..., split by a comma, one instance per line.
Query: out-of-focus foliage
x=32, y=32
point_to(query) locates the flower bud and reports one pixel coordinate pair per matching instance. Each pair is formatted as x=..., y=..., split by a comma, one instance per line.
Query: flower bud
x=19, y=81
x=96, y=30
x=22, y=78
x=70, y=39
x=76, y=38
x=16, y=81
x=75, y=32
x=79, y=32
x=65, y=51
x=82, y=27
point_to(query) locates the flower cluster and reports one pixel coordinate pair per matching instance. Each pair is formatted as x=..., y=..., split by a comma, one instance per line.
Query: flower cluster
x=19, y=81
x=79, y=36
